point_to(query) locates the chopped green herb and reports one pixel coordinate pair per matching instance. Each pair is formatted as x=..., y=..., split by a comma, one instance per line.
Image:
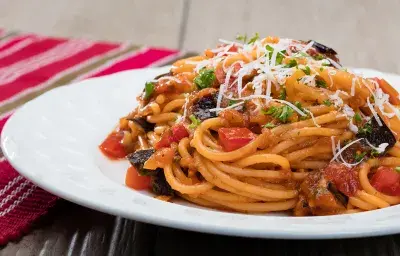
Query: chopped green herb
x=374, y=153
x=282, y=113
x=299, y=106
x=372, y=99
x=319, y=57
x=205, y=78
x=279, y=57
x=282, y=94
x=359, y=156
x=242, y=38
x=321, y=69
x=254, y=38
x=301, y=54
x=195, y=121
x=292, y=63
x=326, y=64
x=320, y=83
x=327, y=103
x=232, y=102
x=357, y=118
x=366, y=129
x=307, y=70
x=148, y=90
x=269, y=125
x=397, y=169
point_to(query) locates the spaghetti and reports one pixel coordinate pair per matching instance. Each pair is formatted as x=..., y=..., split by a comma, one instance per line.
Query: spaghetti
x=264, y=125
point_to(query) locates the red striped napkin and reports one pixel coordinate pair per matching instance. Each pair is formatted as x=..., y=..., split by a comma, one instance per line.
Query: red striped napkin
x=31, y=65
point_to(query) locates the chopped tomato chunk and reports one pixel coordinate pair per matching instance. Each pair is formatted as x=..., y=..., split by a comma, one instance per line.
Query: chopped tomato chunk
x=234, y=138
x=345, y=179
x=387, y=181
x=134, y=180
x=388, y=89
x=176, y=133
x=179, y=132
x=112, y=146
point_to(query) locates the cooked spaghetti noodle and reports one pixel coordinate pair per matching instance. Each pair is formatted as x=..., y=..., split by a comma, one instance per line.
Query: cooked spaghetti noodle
x=265, y=125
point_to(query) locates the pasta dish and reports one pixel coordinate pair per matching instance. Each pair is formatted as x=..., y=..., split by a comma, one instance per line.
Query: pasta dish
x=264, y=124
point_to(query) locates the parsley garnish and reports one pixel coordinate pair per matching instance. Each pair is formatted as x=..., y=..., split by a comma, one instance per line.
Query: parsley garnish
x=366, y=129
x=319, y=57
x=320, y=83
x=359, y=156
x=307, y=70
x=269, y=125
x=282, y=113
x=292, y=63
x=195, y=121
x=374, y=153
x=397, y=169
x=242, y=38
x=205, y=78
x=321, y=69
x=232, y=102
x=357, y=118
x=327, y=103
x=282, y=94
x=148, y=90
x=299, y=106
x=254, y=38
x=279, y=57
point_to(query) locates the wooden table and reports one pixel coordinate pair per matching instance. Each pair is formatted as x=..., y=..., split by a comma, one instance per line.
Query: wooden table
x=71, y=229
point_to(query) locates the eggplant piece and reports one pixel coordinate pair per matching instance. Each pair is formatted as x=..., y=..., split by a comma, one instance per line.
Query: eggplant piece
x=138, y=158
x=342, y=198
x=376, y=134
x=142, y=122
x=201, y=107
x=162, y=75
x=323, y=48
x=160, y=185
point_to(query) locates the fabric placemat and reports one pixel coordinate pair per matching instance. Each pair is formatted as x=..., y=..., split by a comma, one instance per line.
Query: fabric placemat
x=31, y=65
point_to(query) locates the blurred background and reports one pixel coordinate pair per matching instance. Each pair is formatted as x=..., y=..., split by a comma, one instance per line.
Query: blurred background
x=364, y=32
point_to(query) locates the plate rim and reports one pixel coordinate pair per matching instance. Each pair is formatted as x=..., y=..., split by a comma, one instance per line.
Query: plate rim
x=225, y=229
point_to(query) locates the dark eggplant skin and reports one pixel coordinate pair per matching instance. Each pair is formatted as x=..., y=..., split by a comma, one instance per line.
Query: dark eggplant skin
x=342, y=198
x=138, y=158
x=142, y=122
x=379, y=134
x=323, y=48
x=162, y=75
x=160, y=185
x=201, y=107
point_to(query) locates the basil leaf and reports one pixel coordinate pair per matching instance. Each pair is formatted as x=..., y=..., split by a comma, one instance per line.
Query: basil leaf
x=148, y=90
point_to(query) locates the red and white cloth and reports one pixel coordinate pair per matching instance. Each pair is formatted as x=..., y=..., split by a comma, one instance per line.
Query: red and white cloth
x=31, y=65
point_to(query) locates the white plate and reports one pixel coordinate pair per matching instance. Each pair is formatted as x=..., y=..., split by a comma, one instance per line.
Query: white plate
x=53, y=141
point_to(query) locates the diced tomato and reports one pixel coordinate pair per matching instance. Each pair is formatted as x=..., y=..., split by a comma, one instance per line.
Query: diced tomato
x=234, y=138
x=176, y=133
x=388, y=89
x=387, y=181
x=134, y=180
x=345, y=179
x=179, y=132
x=112, y=146
x=220, y=73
